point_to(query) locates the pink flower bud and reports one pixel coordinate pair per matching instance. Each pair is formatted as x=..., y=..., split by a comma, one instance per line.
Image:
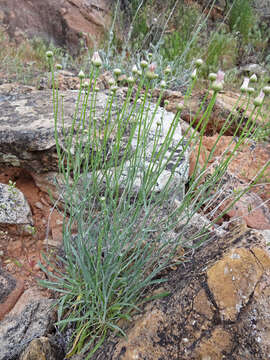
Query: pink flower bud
x=152, y=67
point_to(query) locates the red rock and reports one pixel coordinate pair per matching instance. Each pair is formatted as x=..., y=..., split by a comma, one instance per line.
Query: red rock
x=64, y=22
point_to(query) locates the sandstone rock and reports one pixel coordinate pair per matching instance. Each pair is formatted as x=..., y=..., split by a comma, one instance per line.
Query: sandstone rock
x=64, y=22
x=251, y=209
x=224, y=106
x=15, y=212
x=41, y=348
x=10, y=291
x=32, y=317
x=212, y=313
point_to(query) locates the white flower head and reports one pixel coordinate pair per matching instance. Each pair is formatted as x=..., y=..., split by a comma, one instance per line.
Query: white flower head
x=212, y=76
x=96, y=59
x=259, y=99
x=134, y=70
x=81, y=74
x=117, y=72
x=253, y=78
x=266, y=90
x=49, y=54
x=198, y=63
x=194, y=74
x=163, y=84
x=244, y=86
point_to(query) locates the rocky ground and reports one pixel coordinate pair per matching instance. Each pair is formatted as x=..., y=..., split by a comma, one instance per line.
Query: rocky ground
x=218, y=307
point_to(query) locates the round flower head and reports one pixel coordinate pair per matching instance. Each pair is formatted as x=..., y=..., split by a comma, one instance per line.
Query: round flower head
x=180, y=106
x=253, y=78
x=111, y=82
x=218, y=83
x=259, y=99
x=166, y=102
x=144, y=64
x=81, y=75
x=96, y=59
x=198, y=63
x=212, y=76
x=134, y=70
x=250, y=90
x=266, y=90
x=86, y=84
x=117, y=72
x=130, y=80
x=163, y=84
x=58, y=67
x=49, y=54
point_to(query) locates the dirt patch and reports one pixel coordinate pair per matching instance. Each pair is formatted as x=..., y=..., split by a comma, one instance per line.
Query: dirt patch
x=21, y=253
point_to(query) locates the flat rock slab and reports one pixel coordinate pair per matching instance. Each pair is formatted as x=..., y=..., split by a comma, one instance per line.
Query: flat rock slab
x=27, y=132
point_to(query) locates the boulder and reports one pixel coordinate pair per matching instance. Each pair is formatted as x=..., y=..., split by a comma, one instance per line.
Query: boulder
x=67, y=23
x=27, y=134
x=15, y=212
x=218, y=308
x=42, y=348
x=32, y=317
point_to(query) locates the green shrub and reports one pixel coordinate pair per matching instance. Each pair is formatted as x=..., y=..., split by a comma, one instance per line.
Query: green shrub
x=242, y=18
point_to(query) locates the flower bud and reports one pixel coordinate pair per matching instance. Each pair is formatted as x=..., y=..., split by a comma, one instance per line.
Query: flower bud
x=266, y=90
x=166, y=102
x=111, y=82
x=117, y=72
x=114, y=88
x=86, y=84
x=194, y=74
x=96, y=59
x=58, y=67
x=212, y=76
x=253, y=78
x=217, y=86
x=152, y=67
x=163, y=84
x=167, y=70
x=144, y=64
x=134, y=70
x=244, y=86
x=151, y=75
x=259, y=99
x=81, y=75
x=49, y=54
x=250, y=90
x=180, y=106
x=198, y=63
x=130, y=80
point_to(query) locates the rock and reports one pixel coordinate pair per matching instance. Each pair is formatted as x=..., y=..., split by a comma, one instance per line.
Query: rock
x=251, y=69
x=224, y=106
x=218, y=309
x=31, y=318
x=31, y=144
x=245, y=165
x=251, y=209
x=10, y=291
x=15, y=212
x=67, y=23
x=41, y=348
